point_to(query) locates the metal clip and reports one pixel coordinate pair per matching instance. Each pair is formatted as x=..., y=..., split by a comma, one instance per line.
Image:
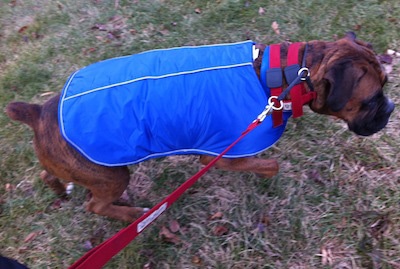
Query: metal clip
x=270, y=108
x=300, y=73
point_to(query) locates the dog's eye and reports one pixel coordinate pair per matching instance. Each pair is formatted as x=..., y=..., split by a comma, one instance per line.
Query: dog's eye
x=370, y=103
x=373, y=102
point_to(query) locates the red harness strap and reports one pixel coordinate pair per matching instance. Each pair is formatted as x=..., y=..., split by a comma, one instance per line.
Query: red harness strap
x=100, y=255
x=275, y=62
x=298, y=94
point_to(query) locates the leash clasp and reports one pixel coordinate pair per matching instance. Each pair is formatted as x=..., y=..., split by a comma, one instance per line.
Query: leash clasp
x=270, y=108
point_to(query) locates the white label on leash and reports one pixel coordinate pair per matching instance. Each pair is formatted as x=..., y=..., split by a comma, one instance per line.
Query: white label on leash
x=144, y=223
x=287, y=106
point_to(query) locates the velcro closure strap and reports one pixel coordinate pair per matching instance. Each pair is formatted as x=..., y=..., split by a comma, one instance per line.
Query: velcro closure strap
x=274, y=78
x=291, y=73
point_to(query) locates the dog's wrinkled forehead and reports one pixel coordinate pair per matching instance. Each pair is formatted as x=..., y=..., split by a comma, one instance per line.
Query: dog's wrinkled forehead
x=365, y=58
x=373, y=60
x=374, y=77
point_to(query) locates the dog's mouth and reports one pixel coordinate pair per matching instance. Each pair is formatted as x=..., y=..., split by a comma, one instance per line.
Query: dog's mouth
x=376, y=118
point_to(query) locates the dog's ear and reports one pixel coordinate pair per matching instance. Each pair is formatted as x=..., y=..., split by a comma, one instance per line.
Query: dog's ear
x=351, y=36
x=342, y=78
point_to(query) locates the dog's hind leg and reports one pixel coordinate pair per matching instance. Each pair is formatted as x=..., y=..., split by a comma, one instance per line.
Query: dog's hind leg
x=54, y=183
x=106, y=208
x=106, y=185
x=106, y=190
x=262, y=167
x=62, y=161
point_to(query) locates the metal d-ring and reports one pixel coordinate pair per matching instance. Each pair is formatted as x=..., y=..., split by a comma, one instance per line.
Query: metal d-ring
x=300, y=73
x=269, y=108
x=271, y=103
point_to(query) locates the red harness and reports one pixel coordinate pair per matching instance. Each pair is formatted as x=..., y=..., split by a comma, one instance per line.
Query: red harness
x=298, y=94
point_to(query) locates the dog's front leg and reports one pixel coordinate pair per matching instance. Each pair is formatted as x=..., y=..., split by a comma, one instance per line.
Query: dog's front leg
x=262, y=167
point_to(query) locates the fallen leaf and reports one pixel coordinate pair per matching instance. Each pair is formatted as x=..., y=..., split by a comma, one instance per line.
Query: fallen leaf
x=220, y=230
x=275, y=27
x=31, y=236
x=9, y=187
x=326, y=255
x=23, y=29
x=13, y=3
x=167, y=236
x=196, y=260
x=89, y=50
x=217, y=215
x=261, y=11
x=87, y=245
x=388, y=68
x=22, y=250
x=35, y=35
x=111, y=35
x=174, y=226
x=393, y=53
x=265, y=220
x=385, y=58
x=56, y=204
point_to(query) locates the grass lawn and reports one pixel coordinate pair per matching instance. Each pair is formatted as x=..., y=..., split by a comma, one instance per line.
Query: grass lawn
x=334, y=204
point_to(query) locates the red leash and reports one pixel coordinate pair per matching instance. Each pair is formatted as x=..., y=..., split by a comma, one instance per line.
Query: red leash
x=101, y=254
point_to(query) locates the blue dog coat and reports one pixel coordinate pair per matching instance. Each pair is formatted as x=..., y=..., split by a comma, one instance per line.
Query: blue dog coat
x=187, y=100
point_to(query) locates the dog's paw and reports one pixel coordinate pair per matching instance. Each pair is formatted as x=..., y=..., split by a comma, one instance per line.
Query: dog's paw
x=69, y=188
x=145, y=210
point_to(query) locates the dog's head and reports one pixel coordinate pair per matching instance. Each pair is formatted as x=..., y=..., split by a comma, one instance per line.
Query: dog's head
x=349, y=81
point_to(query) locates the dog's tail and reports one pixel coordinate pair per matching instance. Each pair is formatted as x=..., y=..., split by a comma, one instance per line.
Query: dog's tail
x=24, y=112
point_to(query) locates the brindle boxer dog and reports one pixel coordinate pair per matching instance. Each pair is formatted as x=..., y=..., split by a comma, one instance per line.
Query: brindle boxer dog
x=347, y=78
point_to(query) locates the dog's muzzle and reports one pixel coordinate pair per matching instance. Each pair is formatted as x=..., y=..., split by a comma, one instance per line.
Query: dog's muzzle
x=376, y=117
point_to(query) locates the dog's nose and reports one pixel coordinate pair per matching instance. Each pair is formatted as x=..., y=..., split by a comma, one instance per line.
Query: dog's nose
x=390, y=106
